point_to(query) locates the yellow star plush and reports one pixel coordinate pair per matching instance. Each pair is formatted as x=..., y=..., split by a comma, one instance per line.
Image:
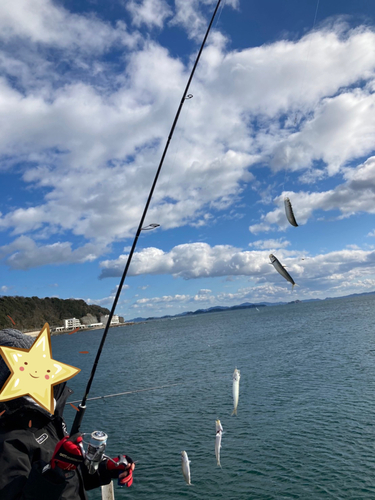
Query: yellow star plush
x=34, y=372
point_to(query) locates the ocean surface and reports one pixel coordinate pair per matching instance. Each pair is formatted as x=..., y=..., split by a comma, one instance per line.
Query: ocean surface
x=305, y=424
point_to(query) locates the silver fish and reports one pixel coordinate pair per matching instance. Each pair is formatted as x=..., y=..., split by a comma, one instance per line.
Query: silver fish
x=289, y=212
x=185, y=465
x=281, y=269
x=219, y=433
x=236, y=389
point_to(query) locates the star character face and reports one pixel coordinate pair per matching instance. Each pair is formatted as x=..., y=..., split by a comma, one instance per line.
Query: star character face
x=28, y=367
x=34, y=372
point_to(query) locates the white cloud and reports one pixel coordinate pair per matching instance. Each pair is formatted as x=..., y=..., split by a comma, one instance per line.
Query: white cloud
x=326, y=275
x=91, y=149
x=199, y=260
x=45, y=22
x=165, y=300
x=343, y=128
x=190, y=15
x=24, y=253
x=149, y=12
x=188, y=261
x=355, y=195
x=270, y=244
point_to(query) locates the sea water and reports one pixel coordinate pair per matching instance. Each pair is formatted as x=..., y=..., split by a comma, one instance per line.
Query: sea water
x=305, y=424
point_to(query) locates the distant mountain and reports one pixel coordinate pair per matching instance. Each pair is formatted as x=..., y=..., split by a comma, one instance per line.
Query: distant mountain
x=245, y=305
x=351, y=295
x=30, y=313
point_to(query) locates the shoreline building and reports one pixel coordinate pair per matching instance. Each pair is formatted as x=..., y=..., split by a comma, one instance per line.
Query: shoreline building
x=71, y=323
x=115, y=319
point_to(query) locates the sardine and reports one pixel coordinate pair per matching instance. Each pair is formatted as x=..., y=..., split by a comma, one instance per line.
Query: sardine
x=281, y=269
x=236, y=389
x=185, y=465
x=289, y=212
x=219, y=433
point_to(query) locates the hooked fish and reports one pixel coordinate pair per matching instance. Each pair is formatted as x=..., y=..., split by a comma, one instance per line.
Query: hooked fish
x=281, y=269
x=185, y=465
x=289, y=212
x=219, y=433
x=236, y=389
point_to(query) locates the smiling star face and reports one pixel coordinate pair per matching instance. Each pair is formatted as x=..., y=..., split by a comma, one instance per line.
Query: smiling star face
x=43, y=369
x=34, y=372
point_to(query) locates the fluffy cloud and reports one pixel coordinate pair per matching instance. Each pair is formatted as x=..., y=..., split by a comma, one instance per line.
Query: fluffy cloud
x=45, y=22
x=149, y=12
x=188, y=261
x=89, y=145
x=343, y=128
x=166, y=301
x=25, y=253
x=269, y=244
x=355, y=195
x=332, y=274
x=190, y=16
x=199, y=260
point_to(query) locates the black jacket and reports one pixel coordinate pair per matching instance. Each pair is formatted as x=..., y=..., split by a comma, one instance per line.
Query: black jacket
x=28, y=437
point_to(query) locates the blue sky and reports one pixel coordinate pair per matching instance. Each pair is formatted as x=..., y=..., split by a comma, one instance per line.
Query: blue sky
x=283, y=106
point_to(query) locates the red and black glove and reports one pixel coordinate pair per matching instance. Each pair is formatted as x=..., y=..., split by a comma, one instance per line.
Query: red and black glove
x=68, y=454
x=112, y=470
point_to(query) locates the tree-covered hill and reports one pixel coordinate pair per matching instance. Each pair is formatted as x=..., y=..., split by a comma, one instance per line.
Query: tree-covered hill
x=31, y=313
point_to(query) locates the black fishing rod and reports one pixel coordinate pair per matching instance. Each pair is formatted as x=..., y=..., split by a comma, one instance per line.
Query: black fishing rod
x=82, y=406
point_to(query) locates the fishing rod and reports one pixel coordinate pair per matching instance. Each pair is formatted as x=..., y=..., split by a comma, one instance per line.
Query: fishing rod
x=82, y=406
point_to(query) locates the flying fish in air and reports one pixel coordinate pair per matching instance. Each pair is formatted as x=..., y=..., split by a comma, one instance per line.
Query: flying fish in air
x=281, y=269
x=289, y=212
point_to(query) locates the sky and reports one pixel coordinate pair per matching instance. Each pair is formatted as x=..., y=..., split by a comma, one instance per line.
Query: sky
x=283, y=106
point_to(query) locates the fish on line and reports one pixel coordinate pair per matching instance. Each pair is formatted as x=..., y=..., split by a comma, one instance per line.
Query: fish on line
x=185, y=465
x=281, y=269
x=289, y=212
x=219, y=433
x=236, y=389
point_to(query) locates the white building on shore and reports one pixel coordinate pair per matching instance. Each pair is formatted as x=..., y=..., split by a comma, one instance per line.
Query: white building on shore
x=71, y=323
x=115, y=319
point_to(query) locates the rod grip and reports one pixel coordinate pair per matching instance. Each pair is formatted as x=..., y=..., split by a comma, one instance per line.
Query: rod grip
x=78, y=420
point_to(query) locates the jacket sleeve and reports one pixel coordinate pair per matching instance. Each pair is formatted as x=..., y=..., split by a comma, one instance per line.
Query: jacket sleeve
x=22, y=480
x=95, y=480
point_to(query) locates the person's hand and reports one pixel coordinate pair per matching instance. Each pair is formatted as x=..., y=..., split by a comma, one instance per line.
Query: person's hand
x=68, y=453
x=121, y=468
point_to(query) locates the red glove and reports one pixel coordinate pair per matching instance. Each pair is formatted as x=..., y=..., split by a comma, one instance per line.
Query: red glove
x=68, y=453
x=123, y=463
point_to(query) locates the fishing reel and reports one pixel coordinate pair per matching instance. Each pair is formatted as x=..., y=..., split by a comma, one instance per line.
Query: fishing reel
x=95, y=453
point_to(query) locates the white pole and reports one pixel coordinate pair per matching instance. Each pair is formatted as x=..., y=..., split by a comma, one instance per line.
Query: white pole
x=108, y=492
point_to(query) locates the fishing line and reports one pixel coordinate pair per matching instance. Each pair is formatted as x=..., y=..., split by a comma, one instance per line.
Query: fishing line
x=191, y=383
x=187, y=111
x=307, y=58
x=303, y=82
x=123, y=393
x=82, y=406
x=220, y=12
